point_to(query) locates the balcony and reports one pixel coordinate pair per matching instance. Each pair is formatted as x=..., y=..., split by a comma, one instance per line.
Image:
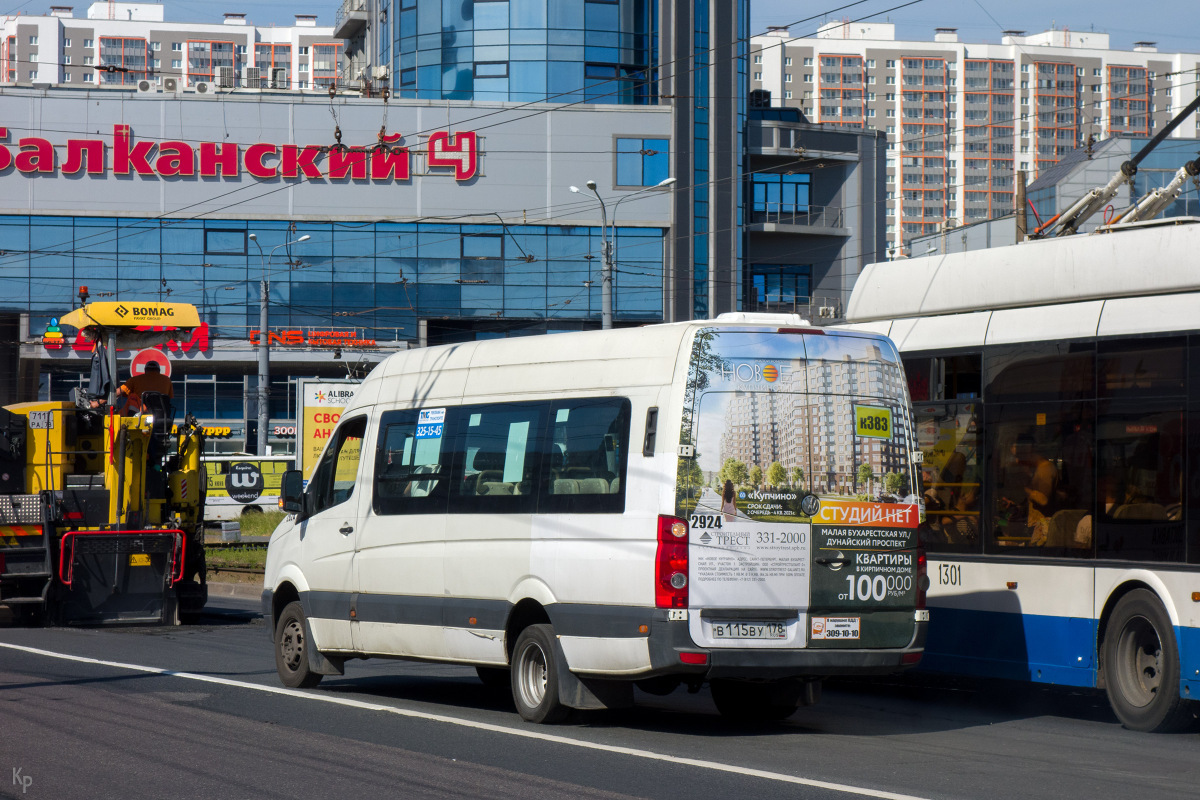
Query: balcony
x=791, y=218
x=350, y=20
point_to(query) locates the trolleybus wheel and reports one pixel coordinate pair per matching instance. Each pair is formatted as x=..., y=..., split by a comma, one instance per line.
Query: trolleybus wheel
x=1141, y=665
x=535, y=676
x=291, y=655
x=765, y=701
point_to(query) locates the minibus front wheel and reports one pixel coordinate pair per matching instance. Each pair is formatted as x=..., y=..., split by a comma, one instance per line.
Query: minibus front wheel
x=291, y=649
x=535, y=671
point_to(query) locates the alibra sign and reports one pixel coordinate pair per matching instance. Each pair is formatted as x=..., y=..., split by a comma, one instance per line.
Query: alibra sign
x=312, y=338
x=454, y=154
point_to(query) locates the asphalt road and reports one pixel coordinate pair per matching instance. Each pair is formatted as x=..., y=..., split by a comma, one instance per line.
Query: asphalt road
x=198, y=712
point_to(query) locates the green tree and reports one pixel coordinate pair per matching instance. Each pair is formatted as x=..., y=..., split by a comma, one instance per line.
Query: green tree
x=866, y=475
x=894, y=482
x=776, y=474
x=691, y=478
x=734, y=470
x=797, y=476
x=756, y=476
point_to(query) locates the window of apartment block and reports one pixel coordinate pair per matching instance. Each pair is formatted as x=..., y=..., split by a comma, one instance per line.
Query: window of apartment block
x=33, y=75
x=325, y=60
x=1096, y=71
x=157, y=64
x=177, y=47
x=870, y=63
x=176, y=63
x=88, y=61
x=758, y=76
x=89, y=42
x=787, y=95
x=33, y=39
x=1024, y=68
x=156, y=46
x=787, y=78
x=808, y=62
x=808, y=77
x=891, y=63
x=89, y=77
x=66, y=42
x=304, y=50
x=758, y=59
x=871, y=80
x=870, y=112
x=787, y=61
x=66, y=59
x=891, y=80
x=67, y=78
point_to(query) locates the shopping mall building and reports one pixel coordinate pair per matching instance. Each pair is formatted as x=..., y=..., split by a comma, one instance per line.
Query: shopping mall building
x=441, y=210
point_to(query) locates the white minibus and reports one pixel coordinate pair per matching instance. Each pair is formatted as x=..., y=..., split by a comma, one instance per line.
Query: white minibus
x=725, y=502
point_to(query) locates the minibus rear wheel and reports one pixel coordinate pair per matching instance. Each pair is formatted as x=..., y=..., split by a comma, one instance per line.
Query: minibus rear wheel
x=291, y=654
x=535, y=667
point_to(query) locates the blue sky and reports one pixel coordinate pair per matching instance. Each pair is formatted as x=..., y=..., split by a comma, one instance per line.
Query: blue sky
x=1168, y=22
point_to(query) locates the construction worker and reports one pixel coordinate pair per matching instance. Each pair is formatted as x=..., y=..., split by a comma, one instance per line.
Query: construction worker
x=151, y=380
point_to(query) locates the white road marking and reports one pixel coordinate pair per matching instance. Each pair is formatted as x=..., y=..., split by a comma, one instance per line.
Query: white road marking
x=483, y=726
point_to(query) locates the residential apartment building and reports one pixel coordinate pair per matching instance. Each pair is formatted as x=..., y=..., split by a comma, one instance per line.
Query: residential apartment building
x=126, y=44
x=962, y=118
x=813, y=432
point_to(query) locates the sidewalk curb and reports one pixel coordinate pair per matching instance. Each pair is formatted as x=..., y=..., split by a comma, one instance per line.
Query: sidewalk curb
x=244, y=591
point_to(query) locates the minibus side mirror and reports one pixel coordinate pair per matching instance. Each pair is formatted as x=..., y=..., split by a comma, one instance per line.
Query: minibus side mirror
x=291, y=490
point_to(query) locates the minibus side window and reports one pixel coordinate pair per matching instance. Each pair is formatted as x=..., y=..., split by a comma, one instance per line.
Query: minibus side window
x=498, y=458
x=587, y=456
x=411, y=465
x=333, y=481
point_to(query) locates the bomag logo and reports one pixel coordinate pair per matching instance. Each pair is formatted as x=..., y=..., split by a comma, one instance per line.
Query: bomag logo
x=151, y=311
x=121, y=311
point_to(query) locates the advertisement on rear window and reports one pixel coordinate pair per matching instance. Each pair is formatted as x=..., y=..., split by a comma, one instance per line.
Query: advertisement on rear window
x=797, y=492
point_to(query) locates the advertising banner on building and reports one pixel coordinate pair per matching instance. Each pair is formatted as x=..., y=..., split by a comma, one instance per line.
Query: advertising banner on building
x=318, y=408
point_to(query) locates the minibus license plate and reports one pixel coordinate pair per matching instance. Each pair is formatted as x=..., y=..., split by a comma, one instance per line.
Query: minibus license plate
x=748, y=630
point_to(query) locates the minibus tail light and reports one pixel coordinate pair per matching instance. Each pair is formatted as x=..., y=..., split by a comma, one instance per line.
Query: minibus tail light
x=922, y=577
x=671, y=563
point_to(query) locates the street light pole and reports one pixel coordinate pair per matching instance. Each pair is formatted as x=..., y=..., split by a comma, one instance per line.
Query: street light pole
x=606, y=247
x=264, y=346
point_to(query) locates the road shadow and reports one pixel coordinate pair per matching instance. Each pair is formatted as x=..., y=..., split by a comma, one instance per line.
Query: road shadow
x=867, y=707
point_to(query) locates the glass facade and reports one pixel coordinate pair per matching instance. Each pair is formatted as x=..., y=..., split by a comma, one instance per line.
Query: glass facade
x=376, y=276
x=596, y=51
x=701, y=106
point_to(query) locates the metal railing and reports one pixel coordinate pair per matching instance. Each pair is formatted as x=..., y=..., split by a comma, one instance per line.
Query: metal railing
x=348, y=7
x=792, y=214
x=819, y=310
